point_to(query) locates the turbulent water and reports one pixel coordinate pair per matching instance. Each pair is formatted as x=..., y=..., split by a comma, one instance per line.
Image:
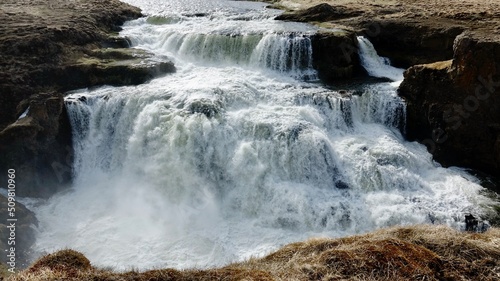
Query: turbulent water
x=238, y=152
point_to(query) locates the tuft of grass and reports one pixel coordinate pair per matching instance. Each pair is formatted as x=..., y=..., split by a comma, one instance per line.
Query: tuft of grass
x=61, y=261
x=423, y=252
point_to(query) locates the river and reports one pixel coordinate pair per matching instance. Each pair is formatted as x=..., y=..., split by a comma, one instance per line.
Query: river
x=241, y=151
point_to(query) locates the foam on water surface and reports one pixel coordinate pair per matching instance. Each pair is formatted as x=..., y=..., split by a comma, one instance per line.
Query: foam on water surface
x=225, y=160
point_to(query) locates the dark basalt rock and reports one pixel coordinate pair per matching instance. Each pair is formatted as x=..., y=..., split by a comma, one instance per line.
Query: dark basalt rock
x=335, y=54
x=423, y=42
x=38, y=147
x=454, y=107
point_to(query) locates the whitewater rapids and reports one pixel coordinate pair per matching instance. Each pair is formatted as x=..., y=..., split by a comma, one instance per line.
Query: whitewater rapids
x=238, y=152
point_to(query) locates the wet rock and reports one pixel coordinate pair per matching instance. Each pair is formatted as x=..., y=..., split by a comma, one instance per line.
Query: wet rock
x=335, y=54
x=454, y=107
x=209, y=108
x=38, y=147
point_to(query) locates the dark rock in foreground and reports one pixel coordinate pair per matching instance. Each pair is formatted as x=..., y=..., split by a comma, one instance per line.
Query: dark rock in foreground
x=38, y=146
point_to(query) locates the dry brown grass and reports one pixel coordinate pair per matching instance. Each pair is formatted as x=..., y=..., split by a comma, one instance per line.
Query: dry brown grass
x=400, y=253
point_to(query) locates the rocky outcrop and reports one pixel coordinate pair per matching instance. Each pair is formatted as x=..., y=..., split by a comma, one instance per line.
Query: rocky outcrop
x=335, y=54
x=115, y=66
x=46, y=48
x=423, y=41
x=36, y=37
x=38, y=146
x=454, y=107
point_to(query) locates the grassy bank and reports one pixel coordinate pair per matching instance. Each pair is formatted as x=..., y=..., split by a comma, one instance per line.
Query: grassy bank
x=423, y=252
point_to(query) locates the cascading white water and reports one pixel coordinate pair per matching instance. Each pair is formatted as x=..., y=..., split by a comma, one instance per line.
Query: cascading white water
x=220, y=162
x=375, y=65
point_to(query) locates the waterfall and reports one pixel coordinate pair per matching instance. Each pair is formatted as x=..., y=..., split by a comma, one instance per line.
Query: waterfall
x=283, y=51
x=222, y=161
x=375, y=65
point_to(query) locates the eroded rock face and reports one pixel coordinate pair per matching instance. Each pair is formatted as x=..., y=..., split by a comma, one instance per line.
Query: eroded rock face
x=38, y=146
x=454, y=107
x=335, y=54
x=409, y=43
x=38, y=36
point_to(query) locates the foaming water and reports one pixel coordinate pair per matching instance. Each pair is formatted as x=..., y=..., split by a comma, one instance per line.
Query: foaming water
x=375, y=65
x=222, y=161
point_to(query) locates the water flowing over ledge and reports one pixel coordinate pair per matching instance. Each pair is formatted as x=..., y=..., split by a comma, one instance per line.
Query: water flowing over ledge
x=226, y=159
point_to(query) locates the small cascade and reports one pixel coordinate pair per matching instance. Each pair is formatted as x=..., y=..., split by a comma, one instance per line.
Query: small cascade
x=232, y=157
x=375, y=65
x=217, y=48
x=283, y=52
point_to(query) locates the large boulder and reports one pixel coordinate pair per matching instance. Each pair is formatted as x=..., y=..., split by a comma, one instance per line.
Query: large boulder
x=335, y=54
x=454, y=107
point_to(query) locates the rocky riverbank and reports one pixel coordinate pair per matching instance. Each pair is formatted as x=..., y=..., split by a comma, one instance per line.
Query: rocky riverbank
x=453, y=103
